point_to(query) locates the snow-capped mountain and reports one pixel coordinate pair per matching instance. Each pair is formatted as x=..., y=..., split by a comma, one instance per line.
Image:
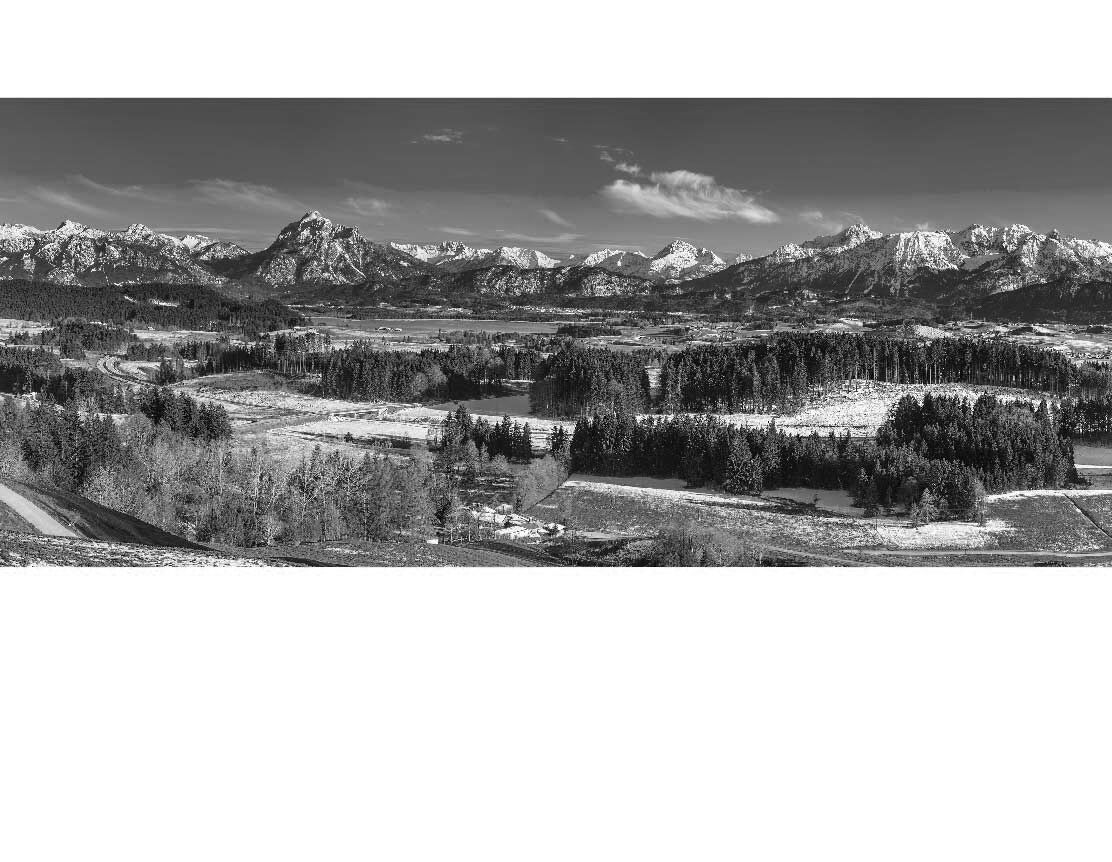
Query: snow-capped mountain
x=457, y=256
x=315, y=251
x=675, y=262
x=977, y=260
x=75, y=254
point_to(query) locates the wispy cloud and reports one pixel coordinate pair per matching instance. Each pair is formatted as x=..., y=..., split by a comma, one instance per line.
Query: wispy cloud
x=367, y=206
x=556, y=240
x=115, y=191
x=443, y=136
x=626, y=168
x=67, y=202
x=555, y=217
x=559, y=140
x=245, y=195
x=819, y=219
x=686, y=194
x=457, y=231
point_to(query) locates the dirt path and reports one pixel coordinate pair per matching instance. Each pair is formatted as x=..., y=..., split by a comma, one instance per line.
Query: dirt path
x=33, y=515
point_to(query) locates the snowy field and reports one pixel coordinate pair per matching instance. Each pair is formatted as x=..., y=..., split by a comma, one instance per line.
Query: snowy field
x=540, y=428
x=612, y=507
x=943, y=534
x=10, y=326
x=362, y=429
x=423, y=331
x=174, y=336
x=860, y=407
x=269, y=399
x=430, y=326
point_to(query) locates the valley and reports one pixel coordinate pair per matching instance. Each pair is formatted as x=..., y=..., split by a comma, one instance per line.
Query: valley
x=476, y=375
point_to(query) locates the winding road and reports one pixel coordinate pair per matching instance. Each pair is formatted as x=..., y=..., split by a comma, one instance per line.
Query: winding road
x=46, y=524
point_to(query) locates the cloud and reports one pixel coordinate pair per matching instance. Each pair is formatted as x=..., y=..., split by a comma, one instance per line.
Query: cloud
x=686, y=194
x=605, y=156
x=559, y=140
x=626, y=168
x=246, y=195
x=68, y=202
x=558, y=239
x=115, y=191
x=555, y=218
x=367, y=206
x=923, y=225
x=821, y=220
x=457, y=231
x=443, y=136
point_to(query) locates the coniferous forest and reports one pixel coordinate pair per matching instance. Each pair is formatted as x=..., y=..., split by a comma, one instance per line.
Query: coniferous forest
x=156, y=305
x=946, y=447
x=577, y=381
x=783, y=373
x=361, y=372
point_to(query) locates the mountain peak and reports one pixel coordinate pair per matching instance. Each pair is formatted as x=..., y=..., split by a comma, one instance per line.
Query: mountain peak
x=69, y=226
x=677, y=246
x=313, y=215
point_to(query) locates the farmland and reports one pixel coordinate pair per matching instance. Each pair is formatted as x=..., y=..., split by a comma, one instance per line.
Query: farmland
x=286, y=417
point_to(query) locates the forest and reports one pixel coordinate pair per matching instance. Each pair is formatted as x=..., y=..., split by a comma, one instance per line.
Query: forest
x=785, y=372
x=360, y=372
x=154, y=305
x=580, y=381
x=945, y=449
x=74, y=337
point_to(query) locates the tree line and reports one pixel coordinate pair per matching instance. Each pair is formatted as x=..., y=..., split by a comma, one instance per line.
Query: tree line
x=788, y=369
x=360, y=372
x=580, y=381
x=944, y=448
x=157, y=305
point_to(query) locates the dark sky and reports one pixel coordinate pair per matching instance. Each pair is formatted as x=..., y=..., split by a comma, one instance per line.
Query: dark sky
x=564, y=176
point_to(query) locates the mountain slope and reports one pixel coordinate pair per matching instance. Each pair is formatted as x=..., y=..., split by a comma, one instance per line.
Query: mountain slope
x=675, y=262
x=314, y=251
x=967, y=264
x=73, y=254
x=458, y=257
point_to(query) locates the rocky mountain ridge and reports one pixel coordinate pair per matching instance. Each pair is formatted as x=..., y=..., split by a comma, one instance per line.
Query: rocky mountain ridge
x=676, y=262
x=313, y=254
x=976, y=261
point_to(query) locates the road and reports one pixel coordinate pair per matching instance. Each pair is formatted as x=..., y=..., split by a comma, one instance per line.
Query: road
x=46, y=524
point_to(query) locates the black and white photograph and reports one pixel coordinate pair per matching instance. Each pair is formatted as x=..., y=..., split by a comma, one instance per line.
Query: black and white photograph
x=568, y=332
x=560, y=433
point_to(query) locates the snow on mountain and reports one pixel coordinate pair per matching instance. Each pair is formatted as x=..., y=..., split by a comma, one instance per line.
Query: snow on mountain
x=315, y=251
x=196, y=241
x=73, y=253
x=17, y=237
x=982, y=259
x=681, y=260
x=457, y=256
x=677, y=261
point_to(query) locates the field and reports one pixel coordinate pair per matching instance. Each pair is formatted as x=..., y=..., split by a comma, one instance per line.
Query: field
x=10, y=326
x=860, y=406
x=1041, y=523
x=22, y=549
x=395, y=554
x=423, y=331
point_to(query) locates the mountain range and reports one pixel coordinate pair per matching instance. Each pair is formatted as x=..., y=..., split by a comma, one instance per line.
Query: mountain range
x=316, y=258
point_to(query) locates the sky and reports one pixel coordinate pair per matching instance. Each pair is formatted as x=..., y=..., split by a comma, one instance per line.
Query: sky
x=563, y=176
